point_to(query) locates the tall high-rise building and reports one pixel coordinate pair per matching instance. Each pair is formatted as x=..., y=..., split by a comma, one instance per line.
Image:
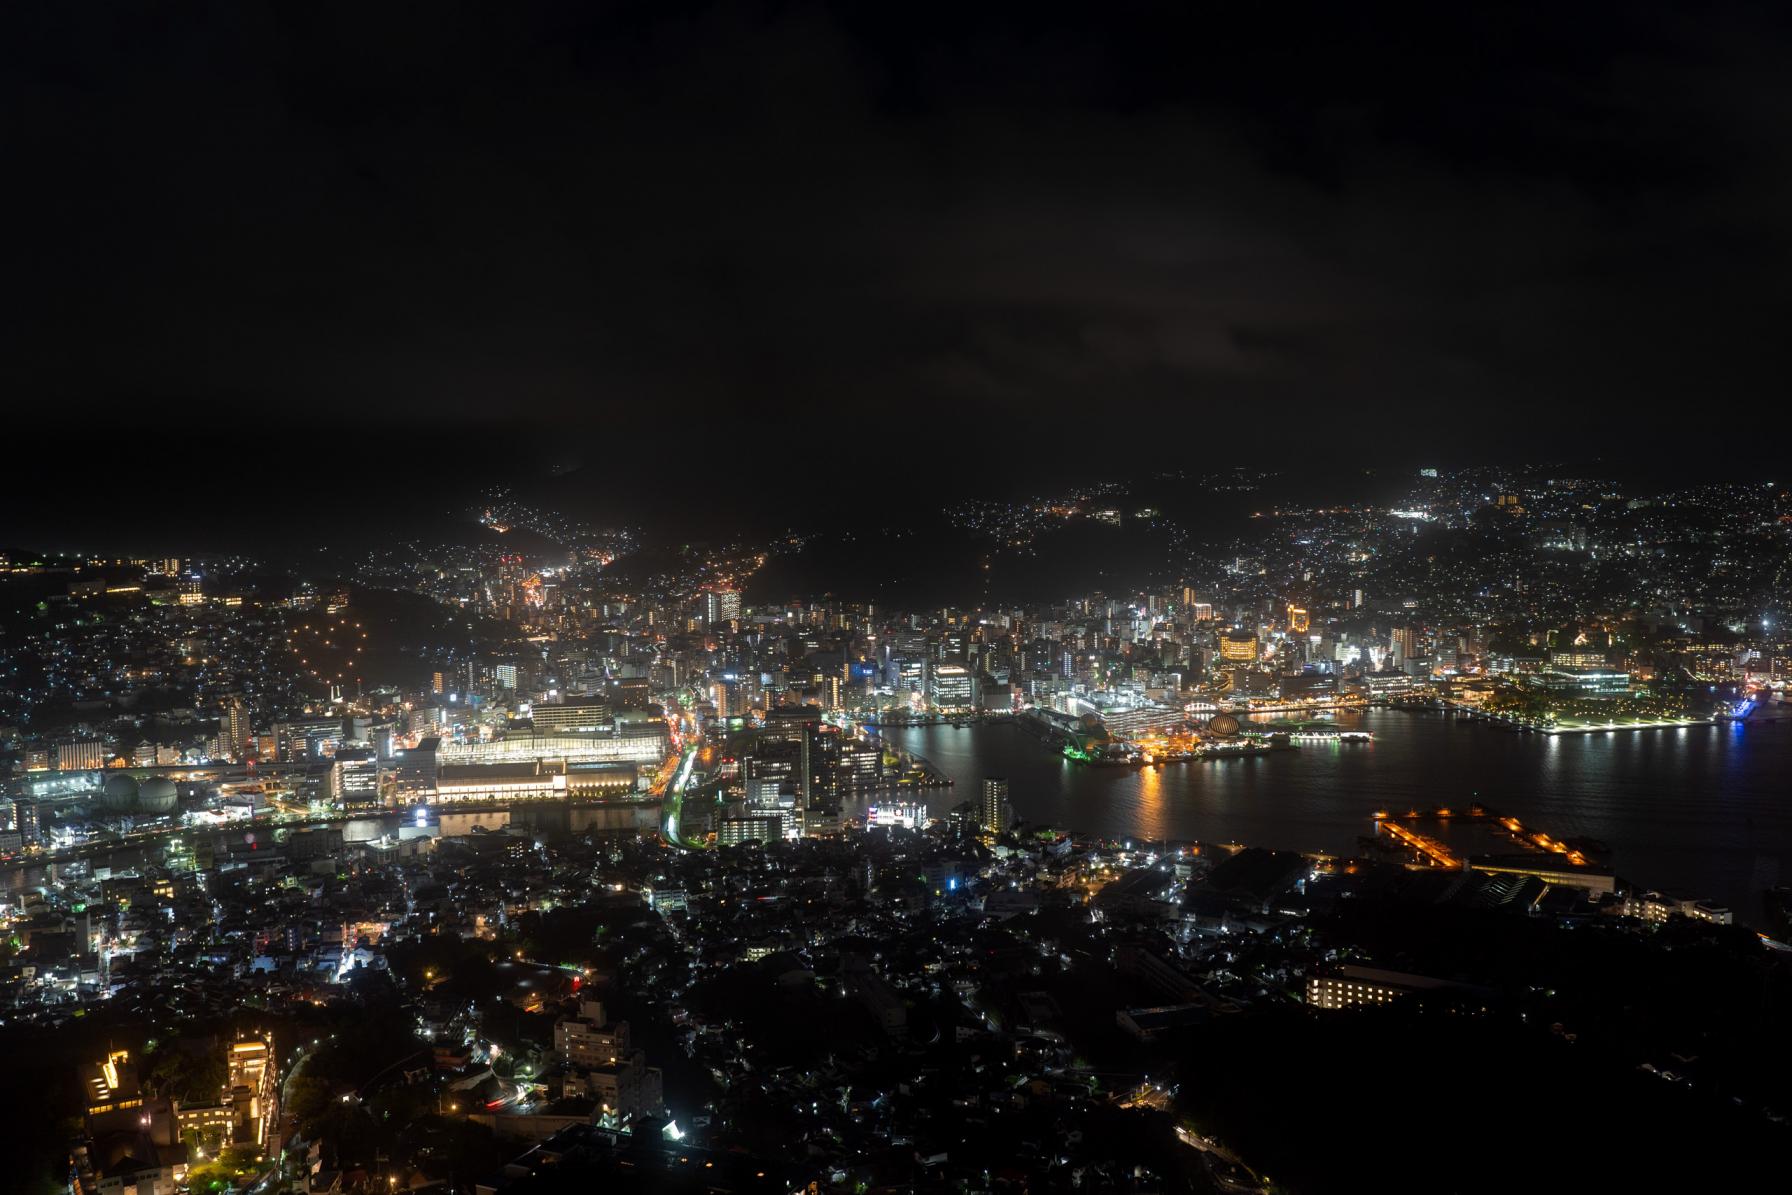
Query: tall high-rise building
x=1298, y=619
x=995, y=813
x=911, y=675
x=725, y=695
x=234, y=728
x=24, y=820
x=721, y=606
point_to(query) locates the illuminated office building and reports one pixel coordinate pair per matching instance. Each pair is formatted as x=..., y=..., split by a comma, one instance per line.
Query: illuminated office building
x=355, y=778
x=576, y=714
x=1238, y=647
x=952, y=687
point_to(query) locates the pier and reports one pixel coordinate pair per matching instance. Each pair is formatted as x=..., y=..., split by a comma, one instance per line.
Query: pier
x=1399, y=828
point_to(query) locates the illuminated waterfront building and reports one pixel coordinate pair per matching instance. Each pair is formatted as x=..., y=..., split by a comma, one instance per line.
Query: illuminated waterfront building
x=355, y=778
x=1579, y=656
x=1582, y=682
x=952, y=687
x=531, y=781
x=1550, y=870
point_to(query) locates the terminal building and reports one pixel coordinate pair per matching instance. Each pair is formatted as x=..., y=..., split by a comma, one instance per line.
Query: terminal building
x=533, y=780
x=1548, y=869
x=634, y=742
x=1582, y=682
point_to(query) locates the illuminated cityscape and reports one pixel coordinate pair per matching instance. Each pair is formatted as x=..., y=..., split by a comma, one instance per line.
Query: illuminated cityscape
x=513, y=855
x=847, y=600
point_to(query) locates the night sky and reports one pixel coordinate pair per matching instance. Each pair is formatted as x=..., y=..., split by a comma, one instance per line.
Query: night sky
x=347, y=245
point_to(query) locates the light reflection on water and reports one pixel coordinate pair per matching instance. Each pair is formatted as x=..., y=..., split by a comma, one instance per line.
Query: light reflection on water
x=1704, y=809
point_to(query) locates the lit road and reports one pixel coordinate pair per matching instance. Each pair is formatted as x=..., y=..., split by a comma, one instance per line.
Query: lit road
x=674, y=802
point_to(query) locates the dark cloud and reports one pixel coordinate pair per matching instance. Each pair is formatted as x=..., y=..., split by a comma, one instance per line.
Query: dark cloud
x=1452, y=226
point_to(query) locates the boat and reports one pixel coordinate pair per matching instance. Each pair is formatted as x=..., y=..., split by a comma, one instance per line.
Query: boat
x=1238, y=750
x=1327, y=735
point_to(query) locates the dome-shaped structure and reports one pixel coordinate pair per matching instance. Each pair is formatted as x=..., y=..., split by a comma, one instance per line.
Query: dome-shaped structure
x=1223, y=726
x=120, y=793
x=158, y=795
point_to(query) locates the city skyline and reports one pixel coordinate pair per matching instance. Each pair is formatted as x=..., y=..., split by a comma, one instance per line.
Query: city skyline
x=836, y=599
x=532, y=853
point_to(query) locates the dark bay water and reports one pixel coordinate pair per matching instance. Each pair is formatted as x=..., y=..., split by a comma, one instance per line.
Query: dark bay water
x=1707, y=810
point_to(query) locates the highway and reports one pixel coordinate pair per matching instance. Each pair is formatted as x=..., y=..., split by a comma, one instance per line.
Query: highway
x=673, y=806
